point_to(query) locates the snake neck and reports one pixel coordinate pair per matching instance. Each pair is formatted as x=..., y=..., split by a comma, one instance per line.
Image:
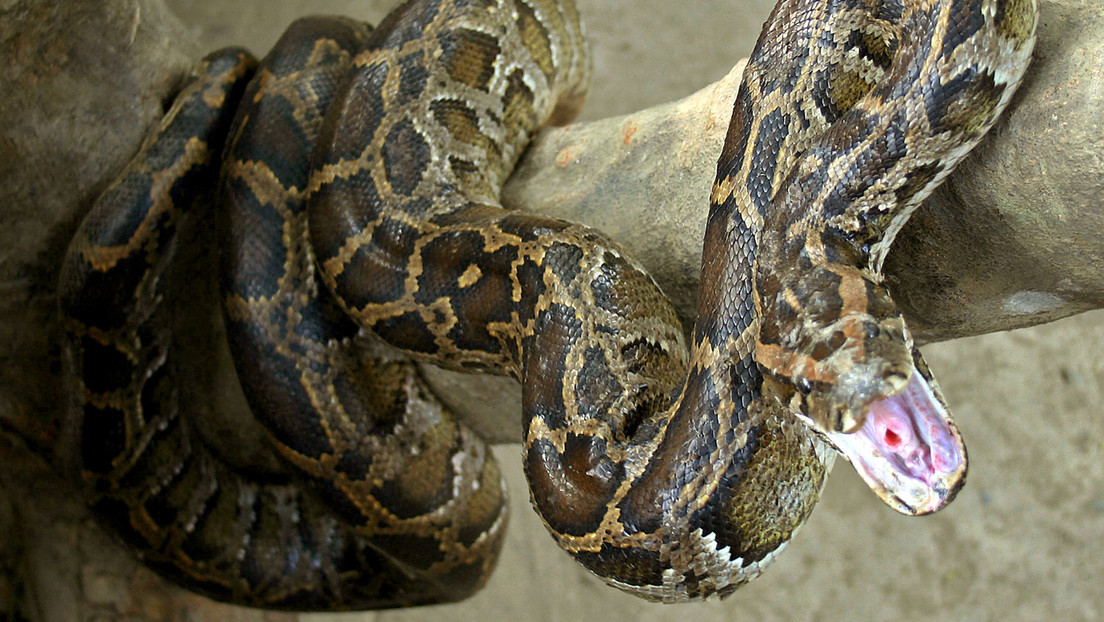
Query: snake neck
x=831, y=332
x=853, y=158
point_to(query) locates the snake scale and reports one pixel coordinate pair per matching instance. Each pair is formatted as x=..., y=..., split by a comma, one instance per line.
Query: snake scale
x=357, y=175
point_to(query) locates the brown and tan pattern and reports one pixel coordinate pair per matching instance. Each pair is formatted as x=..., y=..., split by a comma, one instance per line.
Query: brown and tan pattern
x=864, y=122
x=375, y=159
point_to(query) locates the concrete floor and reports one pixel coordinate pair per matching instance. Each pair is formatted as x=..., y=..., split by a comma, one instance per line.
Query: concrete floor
x=1022, y=542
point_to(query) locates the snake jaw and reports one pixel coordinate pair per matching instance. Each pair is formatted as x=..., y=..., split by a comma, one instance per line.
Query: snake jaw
x=909, y=450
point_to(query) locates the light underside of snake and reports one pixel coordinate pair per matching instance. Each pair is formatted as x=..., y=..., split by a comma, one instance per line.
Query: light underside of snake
x=359, y=201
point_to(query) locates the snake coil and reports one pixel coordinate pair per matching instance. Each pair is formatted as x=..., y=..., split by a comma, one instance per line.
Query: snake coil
x=358, y=174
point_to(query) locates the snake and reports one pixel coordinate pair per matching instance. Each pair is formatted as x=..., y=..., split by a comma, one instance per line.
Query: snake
x=349, y=183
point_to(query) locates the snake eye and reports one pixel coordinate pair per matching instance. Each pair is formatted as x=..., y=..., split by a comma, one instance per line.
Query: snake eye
x=872, y=330
x=803, y=384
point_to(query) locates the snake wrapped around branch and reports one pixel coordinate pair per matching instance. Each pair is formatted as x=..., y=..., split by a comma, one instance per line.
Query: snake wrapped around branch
x=358, y=174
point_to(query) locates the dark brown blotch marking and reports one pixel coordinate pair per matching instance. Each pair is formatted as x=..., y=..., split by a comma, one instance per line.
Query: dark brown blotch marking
x=362, y=108
x=354, y=464
x=529, y=276
x=103, y=434
x=631, y=565
x=461, y=121
x=408, y=332
x=966, y=105
x=536, y=40
x=418, y=551
x=377, y=271
x=555, y=333
x=413, y=75
x=612, y=286
x=518, y=101
x=469, y=56
x=253, y=241
x=966, y=20
x=764, y=159
x=272, y=376
x=406, y=157
x=328, y=234
x=597, y=389
x=879, y=304
x=736, y=140
x=104, y=368
x=564, y=261
x=424, y=485
x=444, y=259
x=573, y=486
x=529, y=228
x=478, y=306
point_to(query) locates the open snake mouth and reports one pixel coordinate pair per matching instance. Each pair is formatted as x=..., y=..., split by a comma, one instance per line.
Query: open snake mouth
x=909, y=450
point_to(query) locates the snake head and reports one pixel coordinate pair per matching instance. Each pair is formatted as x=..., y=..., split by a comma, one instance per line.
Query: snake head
x=847, y=367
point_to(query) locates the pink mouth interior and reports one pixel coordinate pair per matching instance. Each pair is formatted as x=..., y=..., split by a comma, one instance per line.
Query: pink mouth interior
x=908, y=430
x=908, y=450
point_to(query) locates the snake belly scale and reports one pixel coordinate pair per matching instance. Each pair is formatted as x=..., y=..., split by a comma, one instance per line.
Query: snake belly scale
x=360, y=171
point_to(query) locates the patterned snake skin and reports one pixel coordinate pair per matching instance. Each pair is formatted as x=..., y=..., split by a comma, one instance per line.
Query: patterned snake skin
x=358, y=202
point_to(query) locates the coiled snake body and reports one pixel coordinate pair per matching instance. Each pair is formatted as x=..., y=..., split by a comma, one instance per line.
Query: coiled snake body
x=359, y=197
